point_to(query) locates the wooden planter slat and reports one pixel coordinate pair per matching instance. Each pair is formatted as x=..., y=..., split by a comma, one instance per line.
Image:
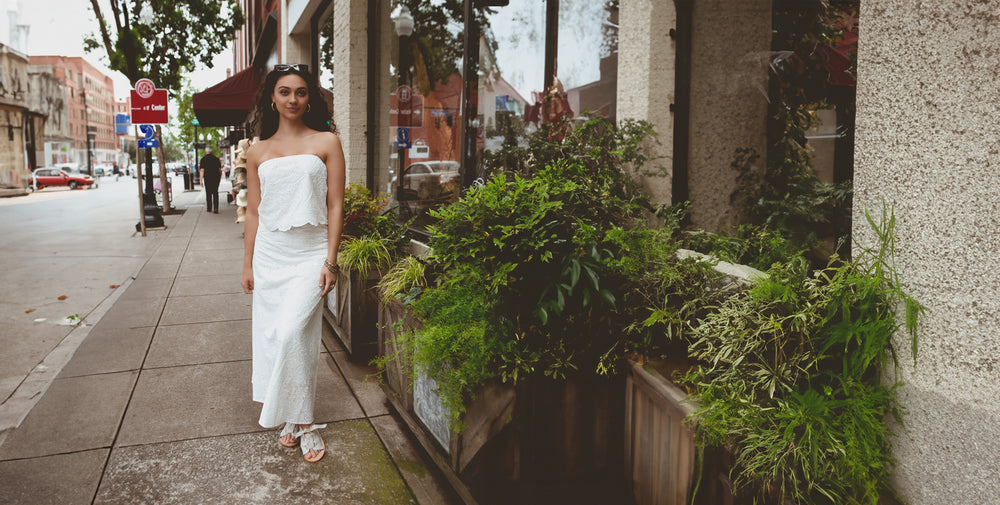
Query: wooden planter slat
x=659, y=446
x=356, y=317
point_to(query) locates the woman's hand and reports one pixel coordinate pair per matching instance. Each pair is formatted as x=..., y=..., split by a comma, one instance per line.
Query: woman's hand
x=247, y=280
x=327, y=280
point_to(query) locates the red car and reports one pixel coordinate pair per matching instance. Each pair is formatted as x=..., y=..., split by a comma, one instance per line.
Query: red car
x=46, y=177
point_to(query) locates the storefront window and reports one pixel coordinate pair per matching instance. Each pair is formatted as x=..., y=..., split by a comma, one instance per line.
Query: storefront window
x=423, y=65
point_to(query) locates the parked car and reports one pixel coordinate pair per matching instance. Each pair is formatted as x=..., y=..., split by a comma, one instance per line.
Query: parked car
x=47, y=177
x=425, y=179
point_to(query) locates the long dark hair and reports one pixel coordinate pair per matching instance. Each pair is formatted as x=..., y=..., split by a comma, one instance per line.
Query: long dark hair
x=264, y=121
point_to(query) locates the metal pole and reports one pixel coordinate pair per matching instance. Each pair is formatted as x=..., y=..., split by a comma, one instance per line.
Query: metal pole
x=470, y=96
x=551, y=41
x=404, y=67
x=195, y=177
x=142, y=207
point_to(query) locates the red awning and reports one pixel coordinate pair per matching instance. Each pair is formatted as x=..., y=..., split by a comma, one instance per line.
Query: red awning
x=229, y=102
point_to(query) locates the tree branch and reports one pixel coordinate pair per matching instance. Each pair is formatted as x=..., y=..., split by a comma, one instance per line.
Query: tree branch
x=118, y=14
x=104, y=29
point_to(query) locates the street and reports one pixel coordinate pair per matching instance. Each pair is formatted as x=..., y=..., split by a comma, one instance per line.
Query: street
x=77, y=244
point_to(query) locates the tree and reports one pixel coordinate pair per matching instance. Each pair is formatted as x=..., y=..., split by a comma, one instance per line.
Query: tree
x=161, y=40
x=185, y=120
x=435, y=51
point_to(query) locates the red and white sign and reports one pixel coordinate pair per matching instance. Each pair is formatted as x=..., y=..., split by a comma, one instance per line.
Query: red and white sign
x=406, y=109
x=149, y=105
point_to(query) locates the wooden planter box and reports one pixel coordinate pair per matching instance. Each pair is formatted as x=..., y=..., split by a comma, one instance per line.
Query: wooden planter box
x=659, y=447
x=352, y=312
x=557, y=439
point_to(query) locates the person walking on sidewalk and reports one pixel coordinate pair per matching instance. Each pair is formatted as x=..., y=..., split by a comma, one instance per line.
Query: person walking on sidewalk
x=211, y=174
x=294, y=217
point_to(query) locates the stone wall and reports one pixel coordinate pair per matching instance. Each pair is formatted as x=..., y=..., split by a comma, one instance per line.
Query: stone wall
x=646, y=55
x=350, y=52
x=928, y=146
x=730, y=45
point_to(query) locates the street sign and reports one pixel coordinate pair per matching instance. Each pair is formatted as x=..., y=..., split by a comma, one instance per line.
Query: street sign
x=406, y=108
x=402, y=139
x=148, y=140
x=122, y=122
x=200, y=145
x=149, y=105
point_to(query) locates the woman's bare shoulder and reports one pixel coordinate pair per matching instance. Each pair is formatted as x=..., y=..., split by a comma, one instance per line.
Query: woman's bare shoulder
x=326, y=139
x=256, y=151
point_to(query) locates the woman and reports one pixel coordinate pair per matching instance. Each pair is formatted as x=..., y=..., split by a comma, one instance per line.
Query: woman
x=295, y=199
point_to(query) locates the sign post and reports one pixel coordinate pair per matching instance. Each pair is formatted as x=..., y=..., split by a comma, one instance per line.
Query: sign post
x=149, y=107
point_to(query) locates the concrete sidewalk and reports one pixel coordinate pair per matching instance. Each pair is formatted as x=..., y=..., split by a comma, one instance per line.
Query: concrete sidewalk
x=155, y=404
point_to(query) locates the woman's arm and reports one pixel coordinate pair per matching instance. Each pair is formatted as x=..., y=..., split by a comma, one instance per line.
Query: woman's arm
x=252, y=219
x=335, y=182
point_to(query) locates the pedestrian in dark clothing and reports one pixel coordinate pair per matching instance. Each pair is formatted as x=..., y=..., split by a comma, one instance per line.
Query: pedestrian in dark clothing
x=211, y=173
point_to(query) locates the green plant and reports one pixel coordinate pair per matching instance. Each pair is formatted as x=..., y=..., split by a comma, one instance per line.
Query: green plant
x=373, y=238
x=756, y=246
x=402, y=277
x=791, y=378
x=365, y=253
x=361, y=210
x=534, y=242
x=460, y=343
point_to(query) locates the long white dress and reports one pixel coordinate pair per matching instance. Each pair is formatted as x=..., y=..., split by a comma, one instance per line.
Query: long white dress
x=288, y=255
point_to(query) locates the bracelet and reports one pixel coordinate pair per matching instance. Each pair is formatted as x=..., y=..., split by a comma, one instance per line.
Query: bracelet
x=331, y=267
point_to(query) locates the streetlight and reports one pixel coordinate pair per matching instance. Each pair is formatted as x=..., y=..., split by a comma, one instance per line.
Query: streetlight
x=195, y=177
x=404, y=28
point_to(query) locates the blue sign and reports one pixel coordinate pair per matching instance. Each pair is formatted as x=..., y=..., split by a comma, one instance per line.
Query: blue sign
x=122, y=122
x=402, y=139
x=440, y=113
x=149, y=141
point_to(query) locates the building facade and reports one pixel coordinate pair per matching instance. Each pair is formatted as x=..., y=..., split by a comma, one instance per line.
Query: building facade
x=927, y=147
x=91, y=106
x=698, y=72
x=18, y=121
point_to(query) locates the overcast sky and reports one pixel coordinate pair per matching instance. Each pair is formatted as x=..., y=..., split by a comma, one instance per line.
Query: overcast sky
x=57, y=27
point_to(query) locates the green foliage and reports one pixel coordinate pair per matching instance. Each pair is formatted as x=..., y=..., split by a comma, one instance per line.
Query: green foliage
x=543, y=247
x=757, y=246
x=790, y=378
x=372, y=238
x=178, y=36
x=460, y=343
x=185, y=123
x=601, y=154
x=365, y=253
x=362, y=210
x=402, y=278
x=786, y=195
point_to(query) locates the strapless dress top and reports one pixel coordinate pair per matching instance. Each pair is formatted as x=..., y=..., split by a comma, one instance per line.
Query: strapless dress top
x=292, y=192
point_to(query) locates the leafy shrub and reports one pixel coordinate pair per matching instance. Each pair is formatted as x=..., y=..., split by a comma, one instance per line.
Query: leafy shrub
x=361, y=210
x=756, y=246
x=402, y=278
x=791, y=379
x=372, y=236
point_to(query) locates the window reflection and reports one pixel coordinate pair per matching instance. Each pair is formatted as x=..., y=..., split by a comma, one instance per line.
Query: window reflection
x=512, y=101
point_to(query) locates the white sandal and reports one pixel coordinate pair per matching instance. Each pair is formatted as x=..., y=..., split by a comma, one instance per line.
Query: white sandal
x=289, y=429
x=309, y=440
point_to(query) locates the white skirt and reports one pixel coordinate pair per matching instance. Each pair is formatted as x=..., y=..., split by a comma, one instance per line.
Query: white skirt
x=287, y=322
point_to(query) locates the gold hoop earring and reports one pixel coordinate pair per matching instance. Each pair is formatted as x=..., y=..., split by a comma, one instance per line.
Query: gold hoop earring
x=308, y=107
x=275, y=109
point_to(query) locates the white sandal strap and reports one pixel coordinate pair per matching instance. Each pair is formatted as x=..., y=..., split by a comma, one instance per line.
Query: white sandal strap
x=311, y=441
x=288, y=429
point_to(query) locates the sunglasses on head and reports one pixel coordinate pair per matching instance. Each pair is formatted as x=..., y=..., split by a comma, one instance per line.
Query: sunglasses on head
x=289, y=68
